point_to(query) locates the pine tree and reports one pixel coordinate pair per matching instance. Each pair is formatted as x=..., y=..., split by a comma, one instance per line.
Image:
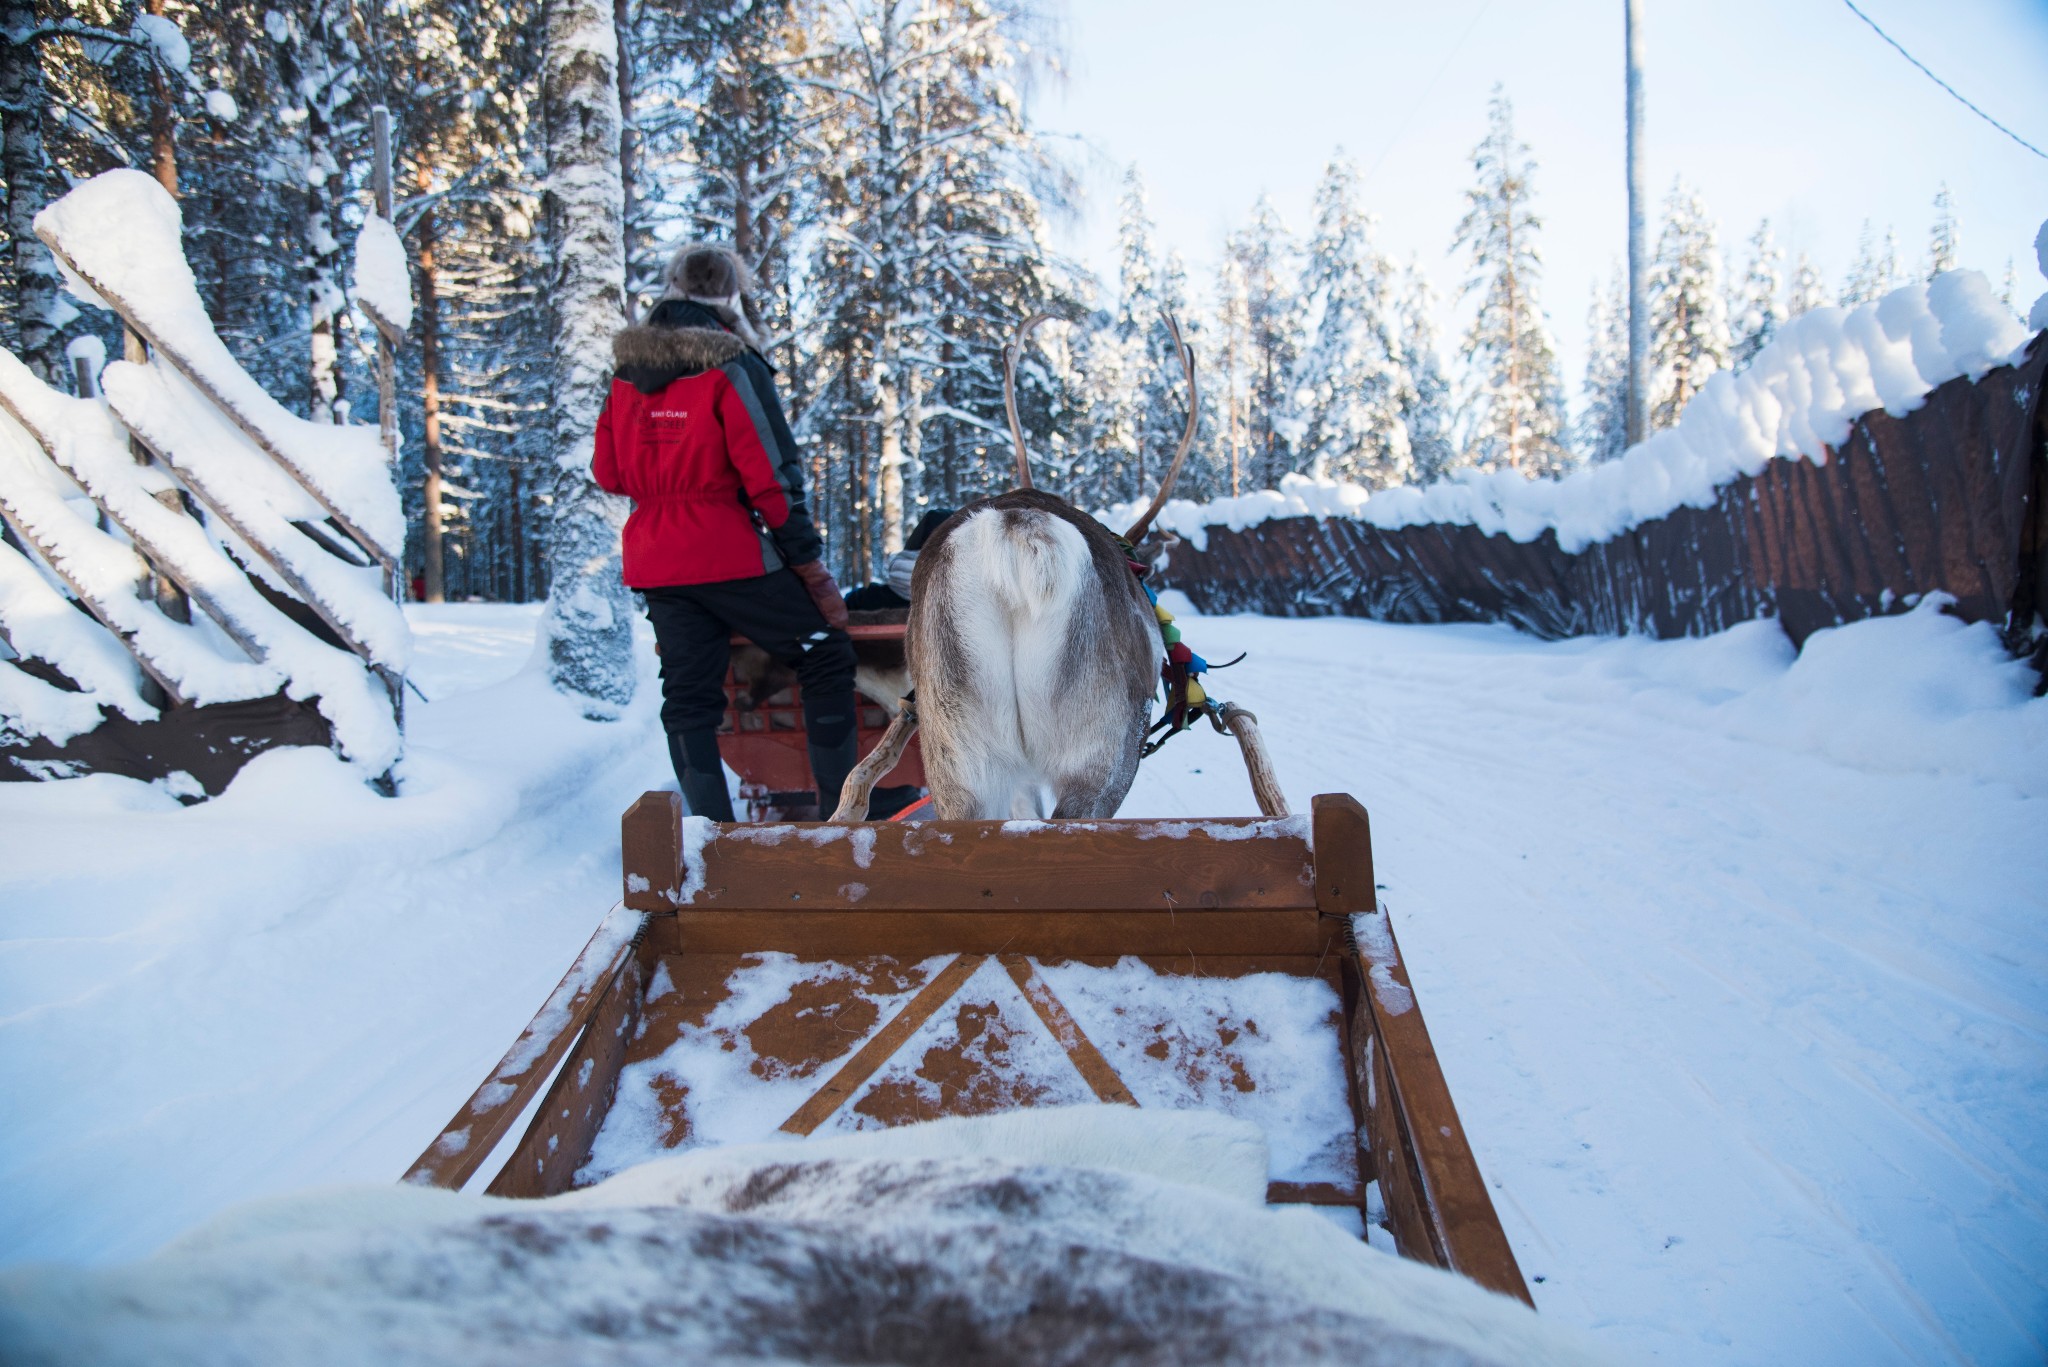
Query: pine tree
x=1130, y=417
x=1809, y=289
x=588, y=627
x=1516, y=410
x=1875, y=271
x=1426, y=398
x=1601, y=433
x=1229, y=361
x=1348, y=383
x=1688, y=320
x=929, y=250
x=1264, y=254
x=1942, y=237
x=1754, y=311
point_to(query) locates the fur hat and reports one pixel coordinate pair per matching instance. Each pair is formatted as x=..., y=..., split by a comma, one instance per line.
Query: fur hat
x=714, y=276
x=707, y=273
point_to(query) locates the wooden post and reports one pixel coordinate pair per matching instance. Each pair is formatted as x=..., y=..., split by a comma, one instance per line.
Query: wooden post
x=433, y=550
x=159, y=587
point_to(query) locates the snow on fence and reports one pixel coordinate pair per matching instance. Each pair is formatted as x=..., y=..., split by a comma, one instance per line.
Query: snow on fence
x=1866, y=457
x=188, y=488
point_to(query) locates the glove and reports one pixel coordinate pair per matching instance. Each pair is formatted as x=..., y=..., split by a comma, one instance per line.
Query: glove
x=824, y=592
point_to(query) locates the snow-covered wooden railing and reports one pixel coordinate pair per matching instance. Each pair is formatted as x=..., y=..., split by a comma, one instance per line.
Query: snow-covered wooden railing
x=291, y=564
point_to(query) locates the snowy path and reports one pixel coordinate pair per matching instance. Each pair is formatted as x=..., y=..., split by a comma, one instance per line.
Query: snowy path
x=1739, y=972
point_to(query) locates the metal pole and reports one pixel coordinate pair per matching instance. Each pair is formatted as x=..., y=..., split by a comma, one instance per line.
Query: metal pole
x=1638, y=246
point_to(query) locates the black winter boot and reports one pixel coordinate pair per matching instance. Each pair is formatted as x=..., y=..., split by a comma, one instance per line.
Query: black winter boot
x=834, y=747
x=700, y=774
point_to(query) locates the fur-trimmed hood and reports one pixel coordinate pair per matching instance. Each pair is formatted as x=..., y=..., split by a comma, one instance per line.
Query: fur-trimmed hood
x=650, y=357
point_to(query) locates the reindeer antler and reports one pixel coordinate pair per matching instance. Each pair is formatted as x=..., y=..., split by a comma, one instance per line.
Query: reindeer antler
x=1187, y=437
x=1013, y=353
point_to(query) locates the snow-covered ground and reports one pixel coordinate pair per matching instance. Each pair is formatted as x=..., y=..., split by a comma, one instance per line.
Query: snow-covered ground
x=1738, y=966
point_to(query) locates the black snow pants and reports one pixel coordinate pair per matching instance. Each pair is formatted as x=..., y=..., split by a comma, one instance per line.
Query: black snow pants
x=695, y=623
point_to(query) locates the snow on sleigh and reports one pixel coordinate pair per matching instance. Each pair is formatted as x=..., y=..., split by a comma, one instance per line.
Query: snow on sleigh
x=775, y=981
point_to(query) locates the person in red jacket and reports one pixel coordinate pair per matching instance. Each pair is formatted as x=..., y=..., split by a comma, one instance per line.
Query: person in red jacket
x=719, y=540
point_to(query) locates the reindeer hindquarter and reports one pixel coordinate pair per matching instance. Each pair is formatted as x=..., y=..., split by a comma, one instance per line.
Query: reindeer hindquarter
x=1034, y=670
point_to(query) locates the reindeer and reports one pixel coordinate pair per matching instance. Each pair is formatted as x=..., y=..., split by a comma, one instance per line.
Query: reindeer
x=1033, y=650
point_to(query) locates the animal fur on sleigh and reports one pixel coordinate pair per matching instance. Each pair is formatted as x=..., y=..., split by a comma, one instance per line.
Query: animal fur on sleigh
x=1033, y=1237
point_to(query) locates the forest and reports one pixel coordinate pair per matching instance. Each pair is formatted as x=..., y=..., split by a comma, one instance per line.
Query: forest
x=877, y=165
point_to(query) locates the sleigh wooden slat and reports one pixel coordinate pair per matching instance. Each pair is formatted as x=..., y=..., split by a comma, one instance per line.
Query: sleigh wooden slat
x=817, y=980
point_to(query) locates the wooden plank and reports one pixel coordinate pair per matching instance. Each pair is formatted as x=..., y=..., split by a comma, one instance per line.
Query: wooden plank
x=1086, y=1058
x=558, y=1142
x=55, y=560
x=468, y=1139
x=1402, y=1191
x=878, y=1050
x=1313, y=1194
x=333, y=616
x=146, y=521
x=1408, y=1079
x=994, y=865
x=650, y=838
x=843, y=931
x=261, y=439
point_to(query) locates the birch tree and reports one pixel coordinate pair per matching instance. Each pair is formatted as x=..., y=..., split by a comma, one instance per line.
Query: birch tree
x=587, y=628
x=321, y=62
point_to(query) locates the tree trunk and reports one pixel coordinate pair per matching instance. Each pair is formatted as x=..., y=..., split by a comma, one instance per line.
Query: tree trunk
x=163, y=121
x=889, y=421
x=588, y=624
x=433, y=568
x=26, y=166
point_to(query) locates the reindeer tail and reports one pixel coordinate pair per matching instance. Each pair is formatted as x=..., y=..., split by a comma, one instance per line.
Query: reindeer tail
x=1035, y=560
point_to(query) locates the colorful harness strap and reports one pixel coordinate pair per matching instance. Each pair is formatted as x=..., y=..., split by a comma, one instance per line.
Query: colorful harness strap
x=1186, y=699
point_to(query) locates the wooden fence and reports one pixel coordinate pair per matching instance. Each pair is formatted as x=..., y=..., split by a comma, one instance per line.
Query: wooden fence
x=1949, y=498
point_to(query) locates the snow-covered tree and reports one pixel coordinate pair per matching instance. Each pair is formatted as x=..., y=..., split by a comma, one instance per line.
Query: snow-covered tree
x=1875, y=271
x=1515, y=412
x=1601, y=432
x=1228, y=374
x=320, y=64
x=1141, y=423
x=929, y=246
x=33, y=313
x=1942, y=237
x=1425, y=407
x=588, y=627
x=1348, y=382
x=1264, y=254
x=1754, y=310
x=1809, y=289
x=1688, y=318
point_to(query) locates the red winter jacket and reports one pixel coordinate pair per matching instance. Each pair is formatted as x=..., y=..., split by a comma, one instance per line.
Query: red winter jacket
x=692, y=433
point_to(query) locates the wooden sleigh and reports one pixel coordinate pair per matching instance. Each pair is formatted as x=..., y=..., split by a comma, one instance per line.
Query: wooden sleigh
x=786, y=980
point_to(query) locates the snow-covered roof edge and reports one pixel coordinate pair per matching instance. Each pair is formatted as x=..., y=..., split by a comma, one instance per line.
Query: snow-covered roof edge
x=1800, y=396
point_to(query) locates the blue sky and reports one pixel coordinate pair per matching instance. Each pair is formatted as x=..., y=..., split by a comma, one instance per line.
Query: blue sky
x=1790, y=109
